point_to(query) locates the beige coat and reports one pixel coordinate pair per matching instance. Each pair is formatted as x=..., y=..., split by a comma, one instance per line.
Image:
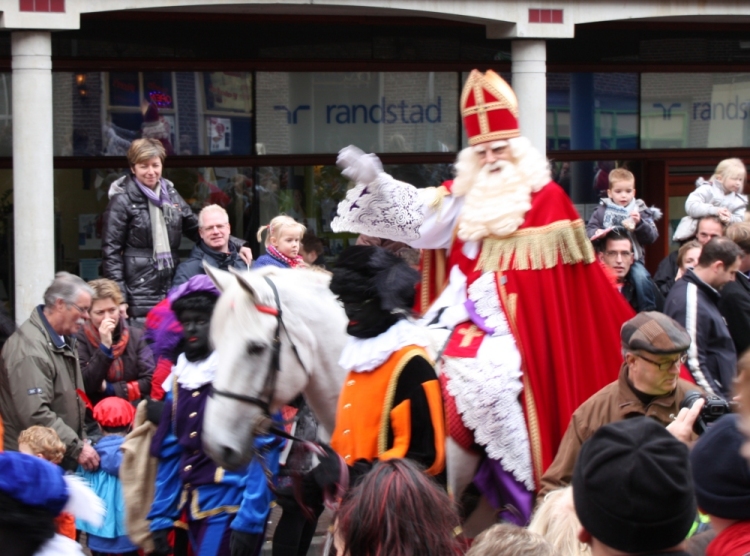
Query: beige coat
x=38, y=383
x=138, y=478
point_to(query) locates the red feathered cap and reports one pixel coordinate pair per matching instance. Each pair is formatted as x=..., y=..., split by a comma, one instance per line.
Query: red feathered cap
x=489, y=108
x=114, y=412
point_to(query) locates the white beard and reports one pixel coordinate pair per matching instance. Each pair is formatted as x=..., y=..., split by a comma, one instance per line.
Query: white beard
x=496, y=202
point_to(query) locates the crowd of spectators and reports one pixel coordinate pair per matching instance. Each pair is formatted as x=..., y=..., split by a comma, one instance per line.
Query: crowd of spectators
x=642, y=469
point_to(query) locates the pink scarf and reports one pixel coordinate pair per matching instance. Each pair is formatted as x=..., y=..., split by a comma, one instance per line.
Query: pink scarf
x=291, y=263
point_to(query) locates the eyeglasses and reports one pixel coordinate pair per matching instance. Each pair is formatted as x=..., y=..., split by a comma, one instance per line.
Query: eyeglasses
x=618, y=254
x=82, y=310
x=665, y=366
x=218, y=227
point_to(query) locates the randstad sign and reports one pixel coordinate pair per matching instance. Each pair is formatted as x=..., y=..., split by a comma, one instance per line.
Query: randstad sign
x=386, y=112
x=378, y=111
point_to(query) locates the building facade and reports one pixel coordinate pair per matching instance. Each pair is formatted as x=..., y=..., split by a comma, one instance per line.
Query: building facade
x=254, y=100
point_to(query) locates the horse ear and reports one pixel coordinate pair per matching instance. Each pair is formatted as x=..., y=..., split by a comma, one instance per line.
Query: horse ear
x=242, y=280
x=221, y=278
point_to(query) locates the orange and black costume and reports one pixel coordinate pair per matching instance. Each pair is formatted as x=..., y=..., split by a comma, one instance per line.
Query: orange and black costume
x=393, y=411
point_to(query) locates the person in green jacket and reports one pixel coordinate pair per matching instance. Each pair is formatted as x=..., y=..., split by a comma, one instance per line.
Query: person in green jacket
x=40, y=377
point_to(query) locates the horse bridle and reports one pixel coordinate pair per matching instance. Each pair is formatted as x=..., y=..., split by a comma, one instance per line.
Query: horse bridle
x=263, y=401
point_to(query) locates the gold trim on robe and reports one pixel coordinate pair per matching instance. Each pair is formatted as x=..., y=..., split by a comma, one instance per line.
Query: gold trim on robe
x=537, y=248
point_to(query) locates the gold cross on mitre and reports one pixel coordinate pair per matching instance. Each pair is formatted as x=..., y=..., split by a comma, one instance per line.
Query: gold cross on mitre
x=489, y=108
x=469, y=335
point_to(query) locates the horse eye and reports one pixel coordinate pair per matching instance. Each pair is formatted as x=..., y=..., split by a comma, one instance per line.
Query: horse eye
x=255, y=349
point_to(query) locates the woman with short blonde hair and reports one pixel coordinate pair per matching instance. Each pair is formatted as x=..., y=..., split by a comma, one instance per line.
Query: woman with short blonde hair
x=115, y=358
x=143, y=150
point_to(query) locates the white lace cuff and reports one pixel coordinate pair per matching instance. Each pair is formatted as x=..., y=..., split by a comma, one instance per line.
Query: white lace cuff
x=385, y=208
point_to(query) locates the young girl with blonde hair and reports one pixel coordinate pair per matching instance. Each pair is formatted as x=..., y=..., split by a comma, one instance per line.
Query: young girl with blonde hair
x=720, y=196
x=282, y=243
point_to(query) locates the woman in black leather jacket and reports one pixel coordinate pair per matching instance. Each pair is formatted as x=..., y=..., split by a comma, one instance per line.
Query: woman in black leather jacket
x=142, y=229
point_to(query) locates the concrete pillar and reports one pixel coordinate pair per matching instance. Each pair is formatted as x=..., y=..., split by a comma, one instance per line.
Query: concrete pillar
x=33, y=190
x=530, y=84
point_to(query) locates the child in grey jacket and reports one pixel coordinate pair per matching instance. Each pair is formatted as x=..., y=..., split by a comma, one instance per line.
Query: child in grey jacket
x=720, y=196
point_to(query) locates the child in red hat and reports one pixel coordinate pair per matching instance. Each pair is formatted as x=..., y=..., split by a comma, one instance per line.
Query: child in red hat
x=115, y=417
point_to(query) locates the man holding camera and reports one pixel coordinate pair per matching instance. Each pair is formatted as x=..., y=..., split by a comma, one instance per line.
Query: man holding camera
x=654, y=349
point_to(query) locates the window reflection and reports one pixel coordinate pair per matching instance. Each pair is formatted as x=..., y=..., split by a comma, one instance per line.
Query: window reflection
x=592, y=111
x=191, y=113
x=695, y=110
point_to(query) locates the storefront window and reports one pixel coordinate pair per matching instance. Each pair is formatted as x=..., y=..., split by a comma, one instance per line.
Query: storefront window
x=695, y=110
x=378, y=111
x=592, y=111
x=191, y=113
x=251, y=197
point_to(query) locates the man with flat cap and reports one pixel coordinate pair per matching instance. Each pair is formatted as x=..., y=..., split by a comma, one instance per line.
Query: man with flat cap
x=654, y=349
x=633, y=492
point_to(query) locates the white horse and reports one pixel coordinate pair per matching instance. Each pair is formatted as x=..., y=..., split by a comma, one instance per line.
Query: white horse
x=311, y=326
x=312, y=333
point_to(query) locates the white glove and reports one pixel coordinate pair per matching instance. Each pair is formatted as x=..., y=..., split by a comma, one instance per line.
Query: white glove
x=358, y=166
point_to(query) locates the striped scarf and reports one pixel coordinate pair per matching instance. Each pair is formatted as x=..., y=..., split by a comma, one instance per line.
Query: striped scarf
x=116, y=372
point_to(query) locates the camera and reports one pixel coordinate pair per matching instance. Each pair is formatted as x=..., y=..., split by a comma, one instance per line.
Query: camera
x=714, y=408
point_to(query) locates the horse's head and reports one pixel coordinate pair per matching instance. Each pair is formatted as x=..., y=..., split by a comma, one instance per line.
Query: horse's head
x=245, y=332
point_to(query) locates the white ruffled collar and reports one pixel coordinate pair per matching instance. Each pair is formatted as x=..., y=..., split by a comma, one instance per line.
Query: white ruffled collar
x=366, y=354
x=192, y=375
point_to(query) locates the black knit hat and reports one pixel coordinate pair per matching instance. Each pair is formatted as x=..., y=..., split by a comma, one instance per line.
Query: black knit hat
x=632, y=486
x=368, y=272
x=721, y=474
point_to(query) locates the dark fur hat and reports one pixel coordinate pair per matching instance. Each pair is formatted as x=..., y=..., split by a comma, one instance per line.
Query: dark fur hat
x=365, y=272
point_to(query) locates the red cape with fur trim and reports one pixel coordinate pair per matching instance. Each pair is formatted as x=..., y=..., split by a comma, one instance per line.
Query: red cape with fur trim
x=565, y=317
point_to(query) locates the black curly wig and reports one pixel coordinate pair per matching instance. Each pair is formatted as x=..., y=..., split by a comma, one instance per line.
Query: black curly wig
x=367, y=272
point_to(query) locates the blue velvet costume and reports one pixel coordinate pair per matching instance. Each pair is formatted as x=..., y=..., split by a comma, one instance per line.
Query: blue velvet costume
x=187, y=479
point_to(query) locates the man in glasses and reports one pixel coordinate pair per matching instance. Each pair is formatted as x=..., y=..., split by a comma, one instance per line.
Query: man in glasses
x=214, y=247
x=694, y=303
x=40, y=375
x=654, y=347
x=616, y=252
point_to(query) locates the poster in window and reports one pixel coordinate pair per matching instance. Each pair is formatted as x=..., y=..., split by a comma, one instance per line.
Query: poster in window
x=124, y=89
x=219, y=135
x=229, y=91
